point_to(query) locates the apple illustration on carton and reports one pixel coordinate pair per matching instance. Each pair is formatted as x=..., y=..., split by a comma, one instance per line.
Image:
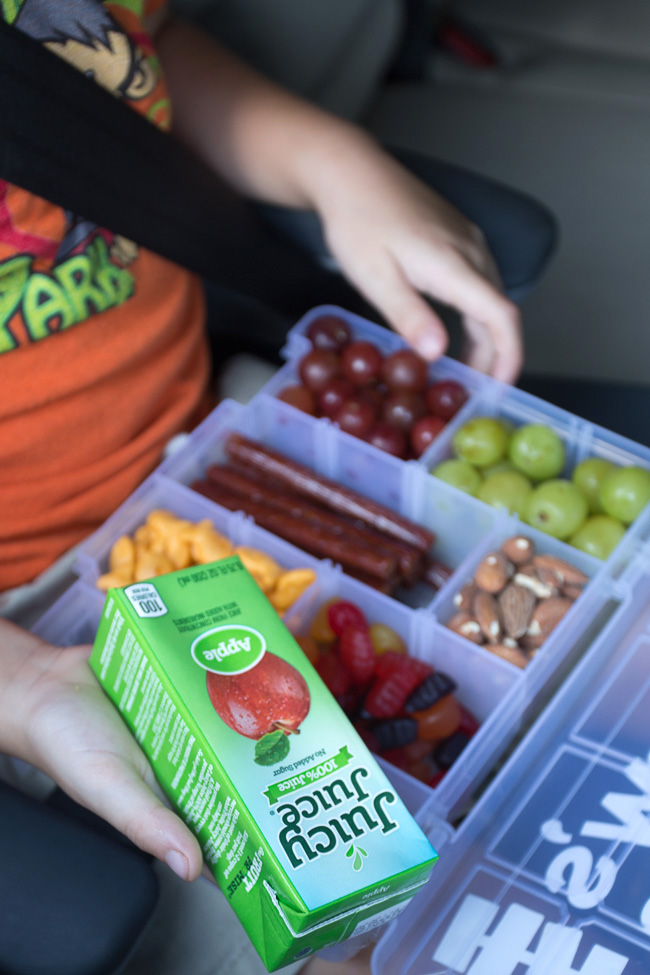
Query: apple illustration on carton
x=255, y=692
x=272, y=696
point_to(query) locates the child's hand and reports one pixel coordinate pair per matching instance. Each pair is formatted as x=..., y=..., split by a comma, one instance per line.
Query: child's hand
x=395, y=239
x=56, y=716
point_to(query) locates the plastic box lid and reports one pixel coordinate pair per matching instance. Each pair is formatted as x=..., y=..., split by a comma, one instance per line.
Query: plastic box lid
x=550, y=872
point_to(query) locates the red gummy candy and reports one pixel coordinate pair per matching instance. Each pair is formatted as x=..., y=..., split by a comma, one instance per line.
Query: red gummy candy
x=468, y=723
x=397, y=757
x=357, y=653
x=387, y=696
x=342, y=614
x=390, y=662
x=334, y=674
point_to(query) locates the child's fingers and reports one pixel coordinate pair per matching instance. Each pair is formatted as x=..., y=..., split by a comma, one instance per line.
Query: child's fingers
x=407, y=312
x=479, y=301
x=118, y=794
x=478, y=349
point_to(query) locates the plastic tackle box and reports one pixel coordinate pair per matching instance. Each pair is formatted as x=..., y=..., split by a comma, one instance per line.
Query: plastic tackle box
x=479, y=876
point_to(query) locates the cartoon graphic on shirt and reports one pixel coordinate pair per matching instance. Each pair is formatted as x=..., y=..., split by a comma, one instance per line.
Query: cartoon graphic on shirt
x=88, y=37
x=89, y=270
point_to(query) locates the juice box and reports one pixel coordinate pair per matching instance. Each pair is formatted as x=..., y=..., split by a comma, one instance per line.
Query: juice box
x=300, y=827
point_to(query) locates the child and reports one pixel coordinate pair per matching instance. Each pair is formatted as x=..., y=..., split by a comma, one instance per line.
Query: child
x=103, y=354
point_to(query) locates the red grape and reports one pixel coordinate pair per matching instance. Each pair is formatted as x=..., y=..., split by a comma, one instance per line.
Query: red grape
x=355, y=417
x=388, y=438
x=405, y=370
x=374, y=395
x=444, y=399
x=401, y=409
x=361, y=363
x=300, y=397
x=332, y=397
x=318, y=368
x=424, y=432
x=329, y=332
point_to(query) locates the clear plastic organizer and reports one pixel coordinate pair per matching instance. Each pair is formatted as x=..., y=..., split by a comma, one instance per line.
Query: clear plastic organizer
x=550, y=872
x=503, y=698
x=500, y=695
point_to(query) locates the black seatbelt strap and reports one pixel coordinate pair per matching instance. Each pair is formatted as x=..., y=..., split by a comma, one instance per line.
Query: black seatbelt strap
x=66, y=139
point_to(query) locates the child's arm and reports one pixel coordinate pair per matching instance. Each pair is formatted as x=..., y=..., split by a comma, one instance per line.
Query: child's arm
x=54, y=715
x=394, y=238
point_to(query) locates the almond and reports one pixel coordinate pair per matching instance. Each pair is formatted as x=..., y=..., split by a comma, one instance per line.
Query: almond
x=571, y=590
x=519, y=549
x=516, y=604
x=512, y=654
x=562, y=570
x=530, y=644
x=486, y=612
x=493, y=572
x=464, y=598
x=466, y=626
x=527, y=577
x=547, y=615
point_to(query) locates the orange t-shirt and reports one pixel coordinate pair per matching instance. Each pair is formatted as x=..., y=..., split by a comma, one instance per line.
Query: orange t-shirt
x=103, y=355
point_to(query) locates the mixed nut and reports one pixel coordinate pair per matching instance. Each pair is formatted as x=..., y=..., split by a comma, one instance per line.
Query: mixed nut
x=516, y=599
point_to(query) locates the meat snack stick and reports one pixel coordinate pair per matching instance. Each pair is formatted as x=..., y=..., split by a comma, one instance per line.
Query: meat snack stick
x=251, y=456
x=410, y=561
x=306, y=536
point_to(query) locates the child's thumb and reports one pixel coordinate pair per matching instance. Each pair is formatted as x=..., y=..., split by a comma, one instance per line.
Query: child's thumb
x=128, y=804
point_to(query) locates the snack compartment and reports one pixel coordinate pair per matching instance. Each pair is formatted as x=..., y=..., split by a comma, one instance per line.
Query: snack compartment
x=160, y=493
x=444, y=607
x=385, y=339
x=491, y=691
x=516, y=408
x=386, y=342
x=457, y=520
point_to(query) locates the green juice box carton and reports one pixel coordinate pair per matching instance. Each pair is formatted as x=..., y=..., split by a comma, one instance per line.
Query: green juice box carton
x=303, y=832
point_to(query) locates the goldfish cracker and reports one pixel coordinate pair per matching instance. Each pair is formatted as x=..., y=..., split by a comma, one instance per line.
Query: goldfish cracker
x=165, y=523
x=164, y=528
x=179, y=551
x=149, y=563
x=143, y=536
x=264, y=570
x=122, y=576
x=290, y=586
x=207, y=545
x=122, y=554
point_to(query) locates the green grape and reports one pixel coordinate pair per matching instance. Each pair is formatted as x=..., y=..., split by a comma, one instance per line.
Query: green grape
x=625, y=492
x=499, y=468
x=507, y=489
x=599, y=536
x=588, y=476
x=459, y=474
x=556, y=507
x=537, y=452
x=481, y=441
